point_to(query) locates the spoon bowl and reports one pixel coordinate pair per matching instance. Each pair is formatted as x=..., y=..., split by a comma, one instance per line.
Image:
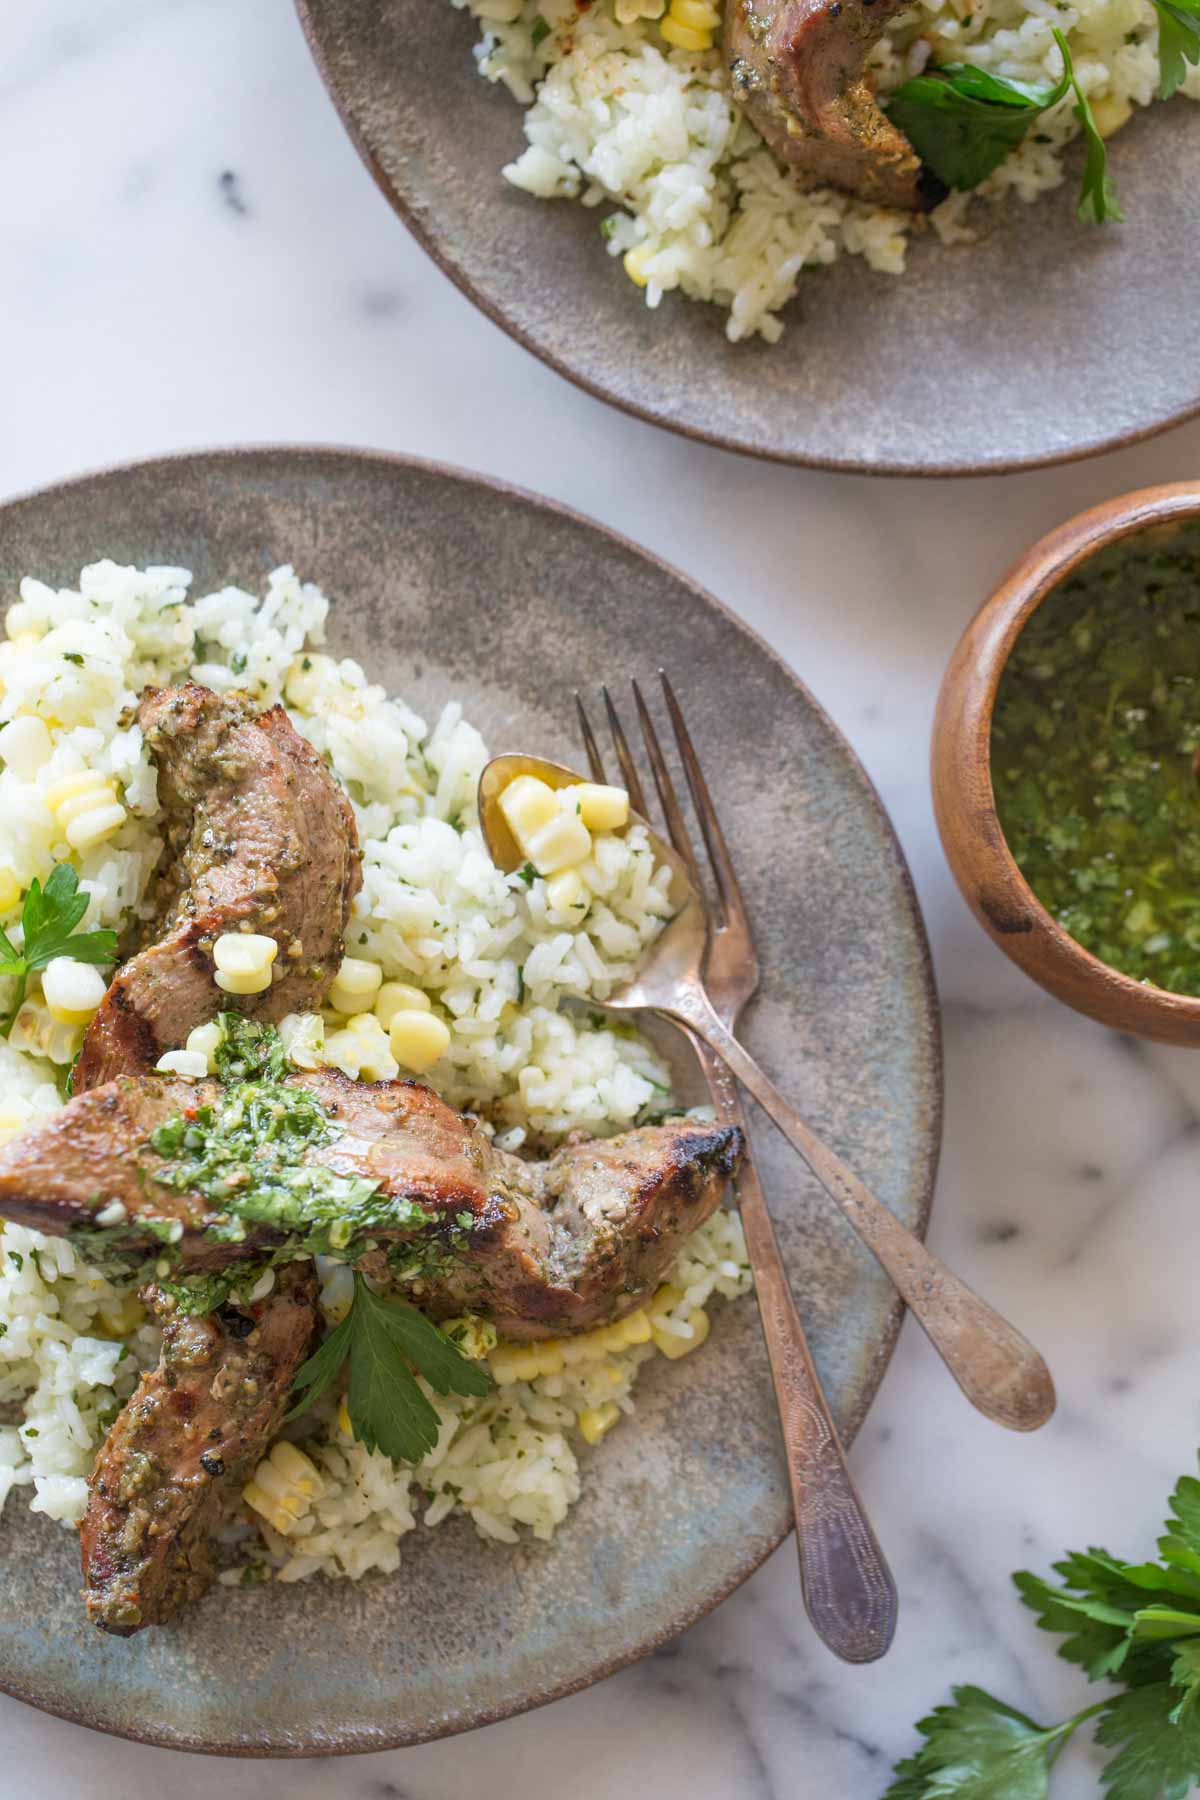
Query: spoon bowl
x=678, y=952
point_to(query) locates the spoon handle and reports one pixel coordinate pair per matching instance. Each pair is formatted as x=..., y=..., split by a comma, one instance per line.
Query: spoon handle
x=997, y=1369
x=848, y=1589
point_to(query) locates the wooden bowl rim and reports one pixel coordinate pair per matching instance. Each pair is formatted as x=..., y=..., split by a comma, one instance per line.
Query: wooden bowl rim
x=1002, y=618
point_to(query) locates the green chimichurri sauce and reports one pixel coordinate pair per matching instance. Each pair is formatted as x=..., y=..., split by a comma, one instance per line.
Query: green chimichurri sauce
x=1094, y=757
x=244, y=1152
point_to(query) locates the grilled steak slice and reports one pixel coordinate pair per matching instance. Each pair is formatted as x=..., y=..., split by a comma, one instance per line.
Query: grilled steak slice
x=540, y=1248
x=797, y=70
x=183, y=1445
x=259, y=836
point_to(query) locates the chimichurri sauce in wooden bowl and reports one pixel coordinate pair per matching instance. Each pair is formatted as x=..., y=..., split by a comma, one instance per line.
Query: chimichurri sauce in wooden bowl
x=1094, y=756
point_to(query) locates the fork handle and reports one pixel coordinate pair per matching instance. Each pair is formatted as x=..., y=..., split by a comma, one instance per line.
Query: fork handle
x=849, y=1593
x=998, y=1370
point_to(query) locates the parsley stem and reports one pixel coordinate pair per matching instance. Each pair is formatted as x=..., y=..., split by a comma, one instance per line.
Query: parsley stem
x=22, y=981
x=1066, y=1731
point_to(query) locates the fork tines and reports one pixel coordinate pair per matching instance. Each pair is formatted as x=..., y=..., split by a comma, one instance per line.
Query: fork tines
x=729, y=894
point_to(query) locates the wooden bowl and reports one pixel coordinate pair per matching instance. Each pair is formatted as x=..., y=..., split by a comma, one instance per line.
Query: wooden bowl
x=964, y=801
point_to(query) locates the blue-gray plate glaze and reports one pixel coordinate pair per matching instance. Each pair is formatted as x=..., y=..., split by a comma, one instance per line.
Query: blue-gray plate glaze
x=448, y=586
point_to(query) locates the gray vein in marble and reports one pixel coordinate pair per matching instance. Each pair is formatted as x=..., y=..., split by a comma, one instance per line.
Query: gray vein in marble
x=230, y=188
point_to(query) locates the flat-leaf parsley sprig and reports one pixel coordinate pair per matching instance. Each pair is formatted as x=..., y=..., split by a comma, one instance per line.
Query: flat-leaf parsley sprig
x=963, y=121
x=1178, y=42
x=1137, y=1624
x=385, y=1340
x=48, y=920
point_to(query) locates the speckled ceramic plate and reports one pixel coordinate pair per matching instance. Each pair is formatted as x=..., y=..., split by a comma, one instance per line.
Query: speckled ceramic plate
x=449, y=587
x=1046, y=341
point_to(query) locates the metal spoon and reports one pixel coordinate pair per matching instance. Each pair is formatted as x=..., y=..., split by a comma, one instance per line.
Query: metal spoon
x=997, y=1369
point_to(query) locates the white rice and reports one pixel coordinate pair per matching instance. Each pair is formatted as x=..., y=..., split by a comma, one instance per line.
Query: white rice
x=510, y=1462
x=495, y=963
x=614, y=114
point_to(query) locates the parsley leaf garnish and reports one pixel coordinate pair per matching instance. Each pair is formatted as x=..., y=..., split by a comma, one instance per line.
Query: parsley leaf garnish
x=1134, y=1623
x=48, y=919
x=385, y=1340
x=963, y=121
x=979, y=1749
x=1178, y=42
x=1159, y=1759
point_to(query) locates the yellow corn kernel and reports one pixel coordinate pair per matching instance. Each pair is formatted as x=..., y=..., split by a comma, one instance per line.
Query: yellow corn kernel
x=123, y=1316
x=243, y=961
x=87, y=817
x=675, y=1347
x=635, y=261
x=418, y=1039
x=70, y=787
x=565, y=892
x=205, y=1041
x=344, y=1050
x=297, y=1469
x=262, y=1503
x=590, y=1346
x=10, y=890
x=343, y=1420
x=373, y=1052
x=85, y=807
x=524, y=1362
x=93, y=826
x=558, y=844
x=305, y=679
x=1110, y=112
x=72, y=990
x=191, y=1064
x=684, y=37
x=664, y=1300
x=355, y=985
x=633, y=1329
x=34, y=1029
x=527, y=804
x=601, y=808
x=303, y=1038
x=699, y=14
x=283, y=1487
x=398, y=996
x=594, y=1421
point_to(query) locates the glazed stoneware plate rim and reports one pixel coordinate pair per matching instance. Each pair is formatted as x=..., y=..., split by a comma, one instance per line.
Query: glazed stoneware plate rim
x=981, y=860
x=308, y=485
x=997, y=444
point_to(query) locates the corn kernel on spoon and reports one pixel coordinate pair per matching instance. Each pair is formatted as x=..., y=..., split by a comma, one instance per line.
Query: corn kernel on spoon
x=998, y=1370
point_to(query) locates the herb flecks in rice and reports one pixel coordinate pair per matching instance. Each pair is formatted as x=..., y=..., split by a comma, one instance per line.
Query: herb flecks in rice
x=435, y=914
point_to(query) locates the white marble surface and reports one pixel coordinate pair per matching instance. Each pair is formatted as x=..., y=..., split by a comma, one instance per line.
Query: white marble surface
x=192, y=255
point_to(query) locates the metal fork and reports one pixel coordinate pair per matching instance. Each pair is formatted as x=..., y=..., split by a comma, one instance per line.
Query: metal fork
x=849, y=1593
x=998, y=1370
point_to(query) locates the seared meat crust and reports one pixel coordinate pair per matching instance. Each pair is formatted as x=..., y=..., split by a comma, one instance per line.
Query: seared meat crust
x=540, y=1248
x=797, y=70
x=180, y=1450
x=259, y=836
